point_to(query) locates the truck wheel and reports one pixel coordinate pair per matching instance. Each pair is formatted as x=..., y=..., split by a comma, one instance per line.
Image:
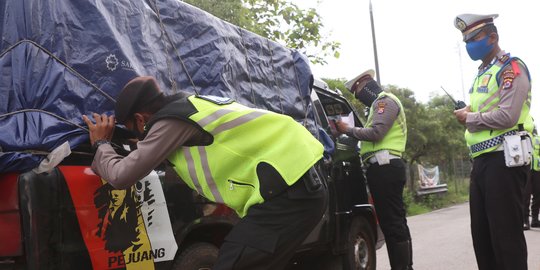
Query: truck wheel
x=361, y=253
x=198, y=256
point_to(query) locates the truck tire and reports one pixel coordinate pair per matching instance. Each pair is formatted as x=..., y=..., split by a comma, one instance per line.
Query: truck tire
x=198, y=256
x=361, y=252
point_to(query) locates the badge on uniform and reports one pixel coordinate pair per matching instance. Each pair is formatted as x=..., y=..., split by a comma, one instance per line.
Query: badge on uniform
x=508, y=78
x=380, y=107
x=483, y=87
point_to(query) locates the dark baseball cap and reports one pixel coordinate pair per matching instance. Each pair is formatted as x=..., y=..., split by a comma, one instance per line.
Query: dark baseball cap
x=135, y=94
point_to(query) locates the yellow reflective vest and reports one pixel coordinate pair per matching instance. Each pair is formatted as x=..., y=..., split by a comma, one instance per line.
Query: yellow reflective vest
x=484, y=97
x=394, y=141
x=224, y=171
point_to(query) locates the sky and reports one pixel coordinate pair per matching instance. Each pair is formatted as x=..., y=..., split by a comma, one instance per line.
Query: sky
x=418, y=46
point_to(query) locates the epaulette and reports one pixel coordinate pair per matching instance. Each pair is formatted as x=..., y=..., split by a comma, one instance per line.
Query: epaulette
x=504, y=58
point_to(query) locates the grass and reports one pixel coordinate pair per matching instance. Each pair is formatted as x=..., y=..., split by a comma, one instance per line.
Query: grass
x=457, y=193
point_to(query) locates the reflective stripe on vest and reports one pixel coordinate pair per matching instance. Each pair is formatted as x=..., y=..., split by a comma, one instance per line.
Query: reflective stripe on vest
x=394, y=141
x=536, y=153
x=226, y=170
x=484, y=97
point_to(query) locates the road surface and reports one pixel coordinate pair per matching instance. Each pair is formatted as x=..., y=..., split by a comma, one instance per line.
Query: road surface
x=442, y=241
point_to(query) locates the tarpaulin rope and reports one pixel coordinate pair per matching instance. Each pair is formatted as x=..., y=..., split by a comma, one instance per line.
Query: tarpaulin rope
x=45, y=112
x=247, y=65
x=277, y=82
x=166, y=34
x=61, y=62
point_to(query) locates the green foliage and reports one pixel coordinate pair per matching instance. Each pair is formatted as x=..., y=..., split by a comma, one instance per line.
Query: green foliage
x=456, y=194
x=278, y=20
x=412, y=207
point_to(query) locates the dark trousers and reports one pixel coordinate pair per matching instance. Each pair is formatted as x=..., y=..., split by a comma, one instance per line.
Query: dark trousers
x=267, y=237
x=532, y=190
x=496, y=206
x=386, y=183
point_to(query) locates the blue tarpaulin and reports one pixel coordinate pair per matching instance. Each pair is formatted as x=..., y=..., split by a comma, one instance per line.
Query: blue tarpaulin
x=62, y=59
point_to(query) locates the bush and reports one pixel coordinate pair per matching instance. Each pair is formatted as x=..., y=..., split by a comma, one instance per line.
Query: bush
x=458, y=192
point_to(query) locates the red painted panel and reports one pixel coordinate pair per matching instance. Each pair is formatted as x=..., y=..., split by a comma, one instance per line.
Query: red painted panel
x=10, y=220
x=82, y=183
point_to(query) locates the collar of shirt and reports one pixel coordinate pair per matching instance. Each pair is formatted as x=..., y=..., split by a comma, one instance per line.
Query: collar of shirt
x=500, y=54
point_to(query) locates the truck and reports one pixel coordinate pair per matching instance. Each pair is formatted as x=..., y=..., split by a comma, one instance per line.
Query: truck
x=41, y=218
x=56, y=213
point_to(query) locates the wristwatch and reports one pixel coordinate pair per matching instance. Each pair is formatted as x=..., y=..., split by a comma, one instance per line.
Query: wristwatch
x=98, y=143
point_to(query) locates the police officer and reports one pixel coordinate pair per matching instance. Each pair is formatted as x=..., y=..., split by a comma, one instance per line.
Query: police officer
x=229, y=154
x=500, y=103
x=383, y=142
x=533, y=188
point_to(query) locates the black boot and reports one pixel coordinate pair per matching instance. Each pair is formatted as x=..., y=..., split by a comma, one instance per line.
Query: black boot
x=399, y=255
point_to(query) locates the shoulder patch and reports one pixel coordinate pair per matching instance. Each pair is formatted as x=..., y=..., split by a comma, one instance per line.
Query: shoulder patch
x=380, y=107
x=508, y=77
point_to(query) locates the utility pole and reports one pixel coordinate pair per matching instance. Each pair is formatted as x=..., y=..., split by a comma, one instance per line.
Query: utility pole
x=374, y=44
x=461, y=72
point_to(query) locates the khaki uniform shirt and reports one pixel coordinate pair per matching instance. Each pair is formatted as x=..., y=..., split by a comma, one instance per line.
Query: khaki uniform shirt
x=165, y=137
x=382, y=121
x=511, y=102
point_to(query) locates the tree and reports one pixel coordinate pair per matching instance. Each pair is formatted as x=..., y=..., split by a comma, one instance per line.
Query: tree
x=278, y=20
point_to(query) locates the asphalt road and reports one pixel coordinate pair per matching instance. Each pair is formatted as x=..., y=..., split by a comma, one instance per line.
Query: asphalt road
x=442, y=241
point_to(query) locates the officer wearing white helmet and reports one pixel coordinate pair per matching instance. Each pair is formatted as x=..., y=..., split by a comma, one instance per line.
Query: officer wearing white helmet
x=383, y=142
x=496, y=121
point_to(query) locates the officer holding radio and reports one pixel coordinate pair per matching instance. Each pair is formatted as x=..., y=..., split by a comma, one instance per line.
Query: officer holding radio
x=383, y=141
x=497, y=122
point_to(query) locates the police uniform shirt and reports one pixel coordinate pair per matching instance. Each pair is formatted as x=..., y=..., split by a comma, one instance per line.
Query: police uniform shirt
x=512, y=98
x=385, y=112
x=163, y=138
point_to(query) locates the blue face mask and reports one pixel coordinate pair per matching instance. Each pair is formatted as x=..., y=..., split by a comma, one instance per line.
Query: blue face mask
x=478, y=49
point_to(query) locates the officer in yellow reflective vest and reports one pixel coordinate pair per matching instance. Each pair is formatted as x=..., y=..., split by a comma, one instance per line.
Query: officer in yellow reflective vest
x=500, y=99
x=533, y=187
x=382, y=143
x=228, y=153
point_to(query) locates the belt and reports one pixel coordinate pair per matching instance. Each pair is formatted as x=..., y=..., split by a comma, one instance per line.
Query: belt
x=373, y=159
x=495, y=141
x=372, y=154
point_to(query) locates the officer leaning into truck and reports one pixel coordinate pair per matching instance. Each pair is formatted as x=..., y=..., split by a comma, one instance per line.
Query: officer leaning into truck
x=382, y=143
x=229, y=154
x=500, y=102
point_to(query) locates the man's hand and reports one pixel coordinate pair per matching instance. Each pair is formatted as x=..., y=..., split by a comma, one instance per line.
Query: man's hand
x=342, y=127
x=461, y=114
x=103, y=128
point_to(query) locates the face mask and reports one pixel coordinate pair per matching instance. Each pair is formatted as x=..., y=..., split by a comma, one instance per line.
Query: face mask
x=478, y=49
x=369, y=93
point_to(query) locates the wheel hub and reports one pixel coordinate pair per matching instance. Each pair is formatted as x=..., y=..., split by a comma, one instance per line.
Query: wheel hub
x=361, y=253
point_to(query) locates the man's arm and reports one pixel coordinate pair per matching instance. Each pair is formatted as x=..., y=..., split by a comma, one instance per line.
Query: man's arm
x=163, y=138
x=513, y=91
x=385, y=113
